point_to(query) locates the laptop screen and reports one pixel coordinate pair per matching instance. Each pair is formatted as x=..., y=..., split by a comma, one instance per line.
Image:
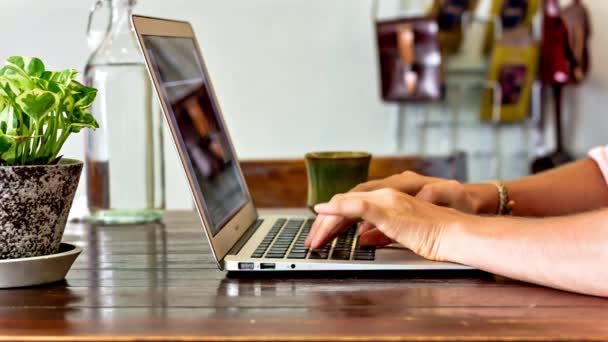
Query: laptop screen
x=200, y=131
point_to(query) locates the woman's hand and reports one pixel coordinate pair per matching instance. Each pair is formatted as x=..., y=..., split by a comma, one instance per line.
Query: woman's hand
x=448, y=193
x=415, y=224
x=407, y=182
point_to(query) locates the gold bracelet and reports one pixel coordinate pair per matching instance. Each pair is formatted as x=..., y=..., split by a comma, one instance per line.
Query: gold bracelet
x=505, y=204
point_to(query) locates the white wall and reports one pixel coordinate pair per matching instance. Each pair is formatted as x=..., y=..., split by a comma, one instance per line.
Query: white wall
x=292, y=75
x=591, y=106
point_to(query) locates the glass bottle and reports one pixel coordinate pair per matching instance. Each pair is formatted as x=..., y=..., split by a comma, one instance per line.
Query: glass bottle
x=124, y=157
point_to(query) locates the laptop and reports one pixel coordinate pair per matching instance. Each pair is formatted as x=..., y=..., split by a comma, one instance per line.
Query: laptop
x=241, y=240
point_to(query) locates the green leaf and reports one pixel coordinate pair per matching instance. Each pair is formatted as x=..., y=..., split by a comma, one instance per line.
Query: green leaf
x=87, y=100
x=17, y=61
x=68, y=104
x=83, y=96
x=51, y=86
x=37, y=103
x=81, y=119
x=7, y=91
x=67, y=76
x=7, y=156
x=4, y=103
x=7, y=120
x=6, y=143
x=19, y=83
x=32, y=66
x=15, y=66
x=64, y=77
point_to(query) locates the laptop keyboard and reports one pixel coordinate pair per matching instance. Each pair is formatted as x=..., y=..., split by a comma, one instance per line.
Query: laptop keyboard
x=286, y=239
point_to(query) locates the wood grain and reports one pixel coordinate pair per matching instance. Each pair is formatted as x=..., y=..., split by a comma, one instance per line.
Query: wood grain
x=159, y=283
x=283, y=183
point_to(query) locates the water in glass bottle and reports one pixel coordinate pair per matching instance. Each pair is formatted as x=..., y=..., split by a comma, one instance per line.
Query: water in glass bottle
x=124, y=158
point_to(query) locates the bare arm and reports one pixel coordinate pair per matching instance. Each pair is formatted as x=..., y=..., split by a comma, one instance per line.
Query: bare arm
x=574, y=188
x=568, y=253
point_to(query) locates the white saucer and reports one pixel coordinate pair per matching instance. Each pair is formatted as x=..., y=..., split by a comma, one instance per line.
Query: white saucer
x=38, y=270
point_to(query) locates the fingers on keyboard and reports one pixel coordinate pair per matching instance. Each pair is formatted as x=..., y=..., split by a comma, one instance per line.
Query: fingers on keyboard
x=289, y=236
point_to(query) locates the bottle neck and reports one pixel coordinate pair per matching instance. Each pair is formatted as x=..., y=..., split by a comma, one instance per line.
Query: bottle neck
x=120, y=44
x=121, y=15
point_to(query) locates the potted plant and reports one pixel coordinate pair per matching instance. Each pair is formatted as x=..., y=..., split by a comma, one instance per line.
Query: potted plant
x=39, y=109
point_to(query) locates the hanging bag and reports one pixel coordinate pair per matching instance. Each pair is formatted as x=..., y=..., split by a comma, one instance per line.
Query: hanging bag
x=410, y=59
x=509, y=15
x=565, y=56
x=450, y=16
x=513, y=68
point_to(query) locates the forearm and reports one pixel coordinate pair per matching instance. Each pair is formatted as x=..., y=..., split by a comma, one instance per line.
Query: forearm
x=574, y=188
x=569, y=253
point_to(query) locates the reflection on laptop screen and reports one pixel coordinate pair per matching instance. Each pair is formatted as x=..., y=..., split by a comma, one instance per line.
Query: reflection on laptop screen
x=201, y=134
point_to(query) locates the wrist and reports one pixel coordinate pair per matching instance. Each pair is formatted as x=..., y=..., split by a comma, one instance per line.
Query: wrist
x=455, y=238
x=485, y=198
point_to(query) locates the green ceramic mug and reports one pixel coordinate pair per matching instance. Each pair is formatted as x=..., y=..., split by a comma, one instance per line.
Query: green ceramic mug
x=331, y=173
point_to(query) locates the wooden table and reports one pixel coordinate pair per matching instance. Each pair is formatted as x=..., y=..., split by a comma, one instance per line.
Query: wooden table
x=158, y=282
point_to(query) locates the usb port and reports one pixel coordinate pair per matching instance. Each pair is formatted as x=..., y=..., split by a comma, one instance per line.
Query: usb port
x=246, y=265
x=267, y=266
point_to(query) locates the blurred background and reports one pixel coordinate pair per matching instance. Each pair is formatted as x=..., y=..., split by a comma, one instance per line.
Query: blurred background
x=294, y=76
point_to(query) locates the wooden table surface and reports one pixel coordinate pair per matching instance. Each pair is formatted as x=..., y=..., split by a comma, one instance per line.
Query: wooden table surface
x=159, y=282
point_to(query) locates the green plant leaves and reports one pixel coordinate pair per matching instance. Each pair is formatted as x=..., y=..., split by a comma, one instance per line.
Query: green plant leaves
x=30, y=65
x=39, y=109
x=5, y=143
x=85, y=97
x=37, y=103
x=64, y=77
x=81, y=119
x=3, y=103
x=7, y=149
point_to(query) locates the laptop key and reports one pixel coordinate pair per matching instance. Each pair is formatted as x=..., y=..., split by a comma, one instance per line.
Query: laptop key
x=340, y=255
x=365, y=258
x=285, y=237
x=365, y=253
x=297, y=256
x=275, y=255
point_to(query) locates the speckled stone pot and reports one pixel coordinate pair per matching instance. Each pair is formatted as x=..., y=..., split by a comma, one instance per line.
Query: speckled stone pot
x=34, y=205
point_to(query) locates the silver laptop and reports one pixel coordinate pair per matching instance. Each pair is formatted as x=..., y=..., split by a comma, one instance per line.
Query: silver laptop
x=239, y=238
